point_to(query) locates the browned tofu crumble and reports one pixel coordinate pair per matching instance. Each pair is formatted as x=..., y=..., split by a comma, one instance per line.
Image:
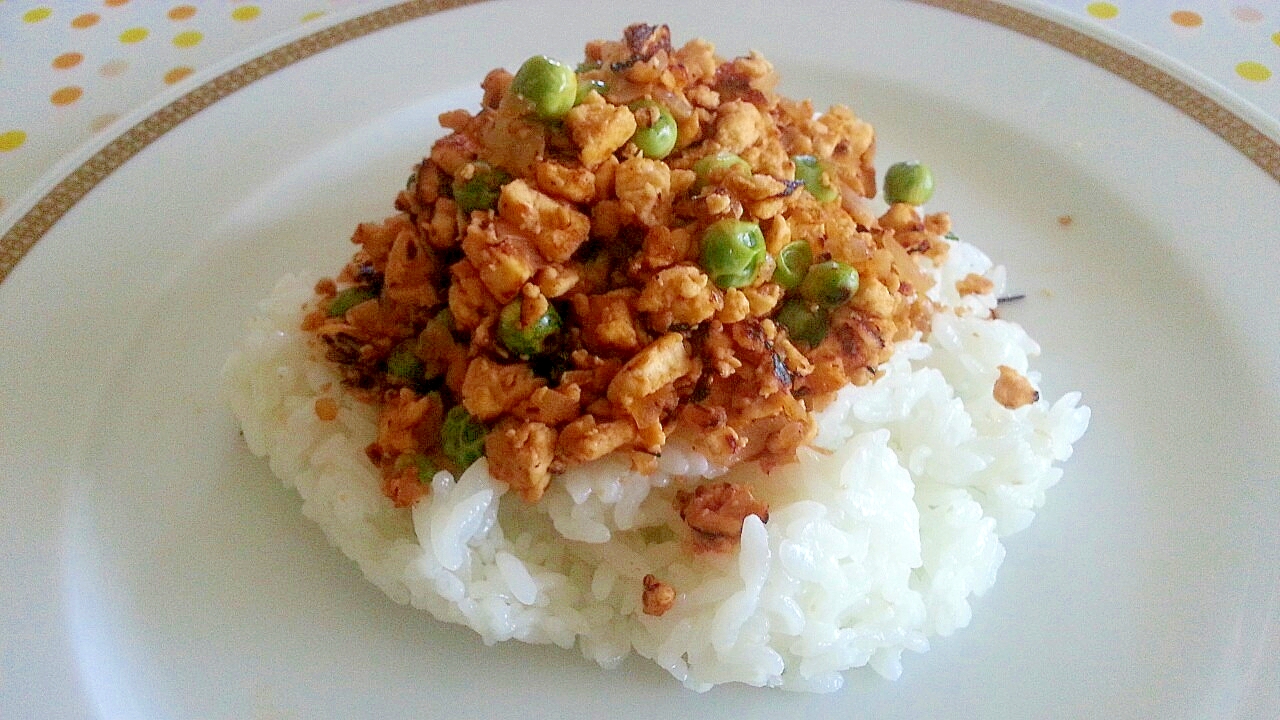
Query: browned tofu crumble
x=714, y=514
x=1012, y=389
x=587, y=225
x=974, y=284
x=657, y=597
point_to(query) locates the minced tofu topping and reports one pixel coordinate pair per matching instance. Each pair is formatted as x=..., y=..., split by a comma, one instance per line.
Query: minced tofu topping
x=651, y=244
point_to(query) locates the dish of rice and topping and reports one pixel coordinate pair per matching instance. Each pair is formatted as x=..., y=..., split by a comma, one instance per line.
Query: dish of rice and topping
x=645, y=362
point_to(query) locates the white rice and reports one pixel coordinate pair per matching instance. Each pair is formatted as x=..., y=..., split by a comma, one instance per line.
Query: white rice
x=871, y=547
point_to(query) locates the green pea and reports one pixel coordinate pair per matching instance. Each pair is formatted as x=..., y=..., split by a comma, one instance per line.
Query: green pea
x=803, y=323
x=717, y=165
x=403, y=362
x=529, y=340
x=794, y=260
x=349, y=298
x=656, y=130
x=809, y=170
x=426, y=469
x=732, y=251
x=586, y=87
x=548, y=86
x=445, y=318
x=908, y=182
x=829, y=283
x=480, y=191
x=462, y=437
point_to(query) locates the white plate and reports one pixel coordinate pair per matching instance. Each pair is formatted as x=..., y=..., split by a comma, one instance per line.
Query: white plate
x=152, y=568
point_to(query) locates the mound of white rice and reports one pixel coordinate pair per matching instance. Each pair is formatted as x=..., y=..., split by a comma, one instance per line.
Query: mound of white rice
x=873, y=545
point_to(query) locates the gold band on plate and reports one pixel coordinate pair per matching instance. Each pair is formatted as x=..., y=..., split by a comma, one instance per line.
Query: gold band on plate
x=1251, y=142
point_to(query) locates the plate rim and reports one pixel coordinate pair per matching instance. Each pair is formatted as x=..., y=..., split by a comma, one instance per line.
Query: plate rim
x=56, y=230
x=1148, y=70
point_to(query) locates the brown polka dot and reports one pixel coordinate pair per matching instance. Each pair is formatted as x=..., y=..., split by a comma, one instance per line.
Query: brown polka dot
x=177, y=74
x=67, y=60
x=1245, y=13
x=86, y=20
x=114, y=68
x=66, y=95
x=182, y=12
x=101, y=122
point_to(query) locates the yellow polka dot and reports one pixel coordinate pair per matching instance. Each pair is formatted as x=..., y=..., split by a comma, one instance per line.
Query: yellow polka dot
x=177, y=74
x=1276, y=39
x=182, y=12
x=35, y=15
x=86, y=20
x=187, y=39
x=246, y=12
x=134, y=35
x=101, y=122
x=1255, y=71
x=114, y=68
x=1102, y=10
x=12, y=140
x=1186, y=18
x=312, y=16
x=66, y=61
x=66, y=95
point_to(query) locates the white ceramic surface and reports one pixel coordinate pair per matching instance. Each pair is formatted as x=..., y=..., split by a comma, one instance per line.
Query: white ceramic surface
x=152, y=568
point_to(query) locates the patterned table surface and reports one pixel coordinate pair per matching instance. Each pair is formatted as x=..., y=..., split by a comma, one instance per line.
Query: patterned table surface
x=70, y=71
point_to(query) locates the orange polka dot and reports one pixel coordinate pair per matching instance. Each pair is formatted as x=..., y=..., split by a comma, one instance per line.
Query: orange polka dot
x=177, y=74
x=67, y=60
x=246, y=12
x=187, y=39
x=134, y=35
x=12, y=140
x=182, y=12
x=66, y=95
x=115, y=3
x=86, y=20
x=35, y=15
x=1186, y=18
